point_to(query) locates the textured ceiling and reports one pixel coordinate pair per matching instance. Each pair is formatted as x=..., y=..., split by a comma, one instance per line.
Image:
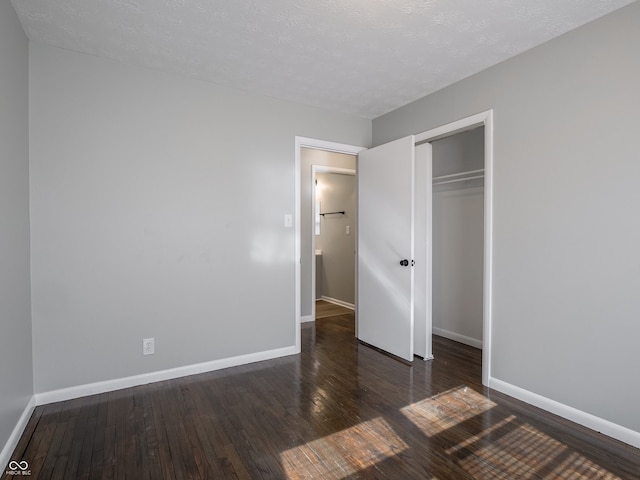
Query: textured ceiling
x=365, y=57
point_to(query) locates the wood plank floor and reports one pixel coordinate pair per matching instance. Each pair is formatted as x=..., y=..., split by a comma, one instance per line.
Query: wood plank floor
x=326, y=309
x=339, y=410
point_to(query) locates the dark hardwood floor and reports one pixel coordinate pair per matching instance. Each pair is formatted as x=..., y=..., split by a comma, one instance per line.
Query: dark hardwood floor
x=339, y=410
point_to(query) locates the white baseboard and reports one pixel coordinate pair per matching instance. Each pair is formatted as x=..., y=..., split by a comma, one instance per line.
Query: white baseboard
x=306, y=318
x=456, y=337
x=136, y=380
x=335, y=301
x=588, y=420
x=14, y=438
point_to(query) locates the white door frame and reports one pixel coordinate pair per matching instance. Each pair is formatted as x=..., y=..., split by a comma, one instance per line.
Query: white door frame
x=304, y=142
x=481, y=119
x=315, y=169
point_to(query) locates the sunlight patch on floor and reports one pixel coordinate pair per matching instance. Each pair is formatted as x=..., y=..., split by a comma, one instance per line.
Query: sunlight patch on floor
x=512, y=449
x=445, y=410
x=491, y=446
x=343, y=453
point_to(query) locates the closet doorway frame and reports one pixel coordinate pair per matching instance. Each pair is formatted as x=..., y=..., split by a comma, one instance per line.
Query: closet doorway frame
x=315, y=169
x=483, y=119
x=300, y=143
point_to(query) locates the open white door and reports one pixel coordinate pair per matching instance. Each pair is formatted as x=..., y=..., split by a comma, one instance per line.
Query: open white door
x=386, y=247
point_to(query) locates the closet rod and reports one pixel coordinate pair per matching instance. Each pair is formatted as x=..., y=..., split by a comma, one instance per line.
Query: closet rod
x=458, y=180
x=459, y=174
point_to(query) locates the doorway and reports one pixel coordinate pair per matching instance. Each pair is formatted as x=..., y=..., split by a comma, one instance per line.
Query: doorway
x=395, y=258
x=457, y=212
x=333, y=269
x=482, y=123
x=304, y=297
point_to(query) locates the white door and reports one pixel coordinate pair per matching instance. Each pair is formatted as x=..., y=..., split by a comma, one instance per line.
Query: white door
x=386, y=246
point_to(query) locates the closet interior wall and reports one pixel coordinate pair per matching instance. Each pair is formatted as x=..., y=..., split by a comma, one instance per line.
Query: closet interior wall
x=458, y=236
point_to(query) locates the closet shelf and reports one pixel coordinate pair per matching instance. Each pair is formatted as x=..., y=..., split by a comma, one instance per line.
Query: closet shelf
x=459, y=177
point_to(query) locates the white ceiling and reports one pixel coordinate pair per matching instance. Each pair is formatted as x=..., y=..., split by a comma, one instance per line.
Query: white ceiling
x=365, y=57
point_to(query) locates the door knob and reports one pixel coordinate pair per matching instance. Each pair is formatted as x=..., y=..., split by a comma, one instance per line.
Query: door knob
x=404, y=263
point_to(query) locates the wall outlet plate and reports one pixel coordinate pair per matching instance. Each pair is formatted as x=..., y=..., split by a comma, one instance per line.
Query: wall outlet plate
x=148, y=346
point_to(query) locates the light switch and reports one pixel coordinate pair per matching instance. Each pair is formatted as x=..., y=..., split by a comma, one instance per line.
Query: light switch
x=288, y=220
x=348, y=230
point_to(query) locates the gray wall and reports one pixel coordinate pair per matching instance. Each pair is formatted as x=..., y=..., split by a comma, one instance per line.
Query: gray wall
x=457, y=153
x=566, y=269
x=338, y=193
x=309, y=157
x=157, y=208
x=16, y=377
x=458, y=239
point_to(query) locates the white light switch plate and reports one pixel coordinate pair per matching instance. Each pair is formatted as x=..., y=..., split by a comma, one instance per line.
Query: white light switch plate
x=288, y=220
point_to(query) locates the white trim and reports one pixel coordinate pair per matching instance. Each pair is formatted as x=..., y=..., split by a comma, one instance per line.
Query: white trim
x=145, y=378
x=480, y=119
x=412, y=250
x=340, y=303
x=452, y=128
x=304, y=142
x=424, y=155
x=307, y=319
x=429, y=247
x=488, y=247
x=16, y=434
x=456, y=337
x=588, y=420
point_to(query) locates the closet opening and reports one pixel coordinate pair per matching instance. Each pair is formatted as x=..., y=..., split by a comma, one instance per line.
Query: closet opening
x=458, y=233
x=454, y=202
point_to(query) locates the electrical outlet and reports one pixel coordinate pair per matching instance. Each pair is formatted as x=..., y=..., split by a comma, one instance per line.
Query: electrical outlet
x=148, y=346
